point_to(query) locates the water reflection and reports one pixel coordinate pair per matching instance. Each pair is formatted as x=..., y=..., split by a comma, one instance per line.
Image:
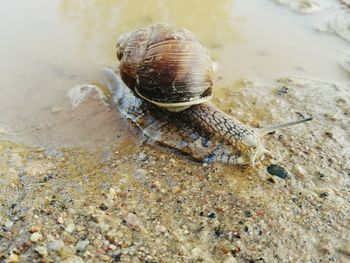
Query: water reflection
x=103, y=20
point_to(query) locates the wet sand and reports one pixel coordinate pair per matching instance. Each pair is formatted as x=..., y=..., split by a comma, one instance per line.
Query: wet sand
x=82, y=185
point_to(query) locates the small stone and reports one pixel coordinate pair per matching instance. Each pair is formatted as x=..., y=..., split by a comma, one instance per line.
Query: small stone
x=247, y=213
x=38, y=169
x=13, y=258
x=282, y=91
x=66, y=252
x=56, y=245
x=112, y=247
x=2, y=131
x=34, y=229
x=298, y=171
x=35, y=237
x=324, y=195
x=117, y=257
x=82, y=244
x=160, y=229
x=212, y=215
x=41, y=250
x=73, y=259
x=104, y=257
x=132, y=220
x=70, y=228
x=60, y=220
x=140, y=175
x=8, y=224
x=277, y=170
x=103, y=207
x=55, y=109
x=112, y=192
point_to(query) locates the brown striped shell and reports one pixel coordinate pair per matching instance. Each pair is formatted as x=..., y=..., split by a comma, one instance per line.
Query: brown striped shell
x=166, y=65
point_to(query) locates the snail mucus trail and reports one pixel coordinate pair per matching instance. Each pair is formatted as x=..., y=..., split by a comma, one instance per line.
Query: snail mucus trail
x=163, y=84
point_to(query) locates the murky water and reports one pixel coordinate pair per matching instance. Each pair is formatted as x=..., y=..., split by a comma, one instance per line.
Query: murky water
x=47, y=47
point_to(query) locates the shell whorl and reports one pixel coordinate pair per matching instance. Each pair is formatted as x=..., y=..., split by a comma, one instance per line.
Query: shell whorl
x=166, y=65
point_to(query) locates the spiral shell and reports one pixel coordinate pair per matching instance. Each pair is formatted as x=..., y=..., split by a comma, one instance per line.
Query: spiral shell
x=166, y=65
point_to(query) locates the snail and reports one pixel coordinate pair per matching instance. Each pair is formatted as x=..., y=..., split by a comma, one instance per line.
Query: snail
x=164, y=85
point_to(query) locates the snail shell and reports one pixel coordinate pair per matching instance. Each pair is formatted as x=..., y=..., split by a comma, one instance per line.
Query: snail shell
x=166, y=65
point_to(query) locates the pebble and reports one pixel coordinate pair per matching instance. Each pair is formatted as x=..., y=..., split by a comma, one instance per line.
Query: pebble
x=277, y=170
x=70, y=228
x=55, y=245
x=103, y=207
x=35, y=237
x=13, y=258
x=160, y=229
x=8, y=224
x=2, y=131
x=140, y=175
x=66, y=251
x=82, y=244
x=282, y=91
x=340, y=25
x=55, y=109
x=103, y=226
x=132, y=220
x=345, y=63
x=41, y=250
x=112, y=191
x=73, y=259
x=298, y=171
x=302, y=6
x=142, y=157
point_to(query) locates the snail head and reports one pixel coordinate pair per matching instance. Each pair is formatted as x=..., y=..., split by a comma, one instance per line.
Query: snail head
x=251, y=148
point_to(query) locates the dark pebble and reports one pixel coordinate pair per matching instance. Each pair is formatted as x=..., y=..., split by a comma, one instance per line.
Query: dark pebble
x=218, y=232
x=271, y=180
x=212, y=215
x=103, y=207
x=248, y=213
x=277, y=170
x=282, y=91
x=117, y=258
x=324, y=194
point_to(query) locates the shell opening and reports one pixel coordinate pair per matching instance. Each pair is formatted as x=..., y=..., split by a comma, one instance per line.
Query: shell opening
x=176, y=107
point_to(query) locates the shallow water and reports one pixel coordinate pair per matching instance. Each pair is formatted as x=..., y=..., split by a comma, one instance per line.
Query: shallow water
x=47, y=47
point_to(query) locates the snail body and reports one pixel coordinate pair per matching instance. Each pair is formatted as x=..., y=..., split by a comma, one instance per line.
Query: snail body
x=164, y=85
